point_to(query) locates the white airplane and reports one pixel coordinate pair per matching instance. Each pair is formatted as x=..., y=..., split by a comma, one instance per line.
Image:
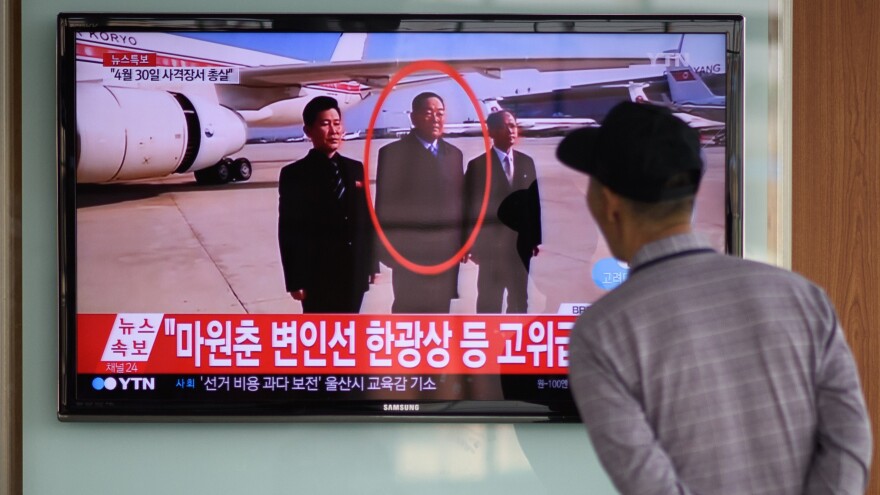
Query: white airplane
x=148, y=129
x=542, y=126
x=348, y=136
x=711, y=131
x=687, y=90
x=528, y=126
x=134, y=129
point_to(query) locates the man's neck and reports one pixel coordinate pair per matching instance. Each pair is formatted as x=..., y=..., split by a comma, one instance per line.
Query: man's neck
x=633, y=243
x=328, y=154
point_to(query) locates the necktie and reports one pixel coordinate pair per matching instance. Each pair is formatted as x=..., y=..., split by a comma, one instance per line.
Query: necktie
x=508, y=170
x=338, y=185
x=432, y=149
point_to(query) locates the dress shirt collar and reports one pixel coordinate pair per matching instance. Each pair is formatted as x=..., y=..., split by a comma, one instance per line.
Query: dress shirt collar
x=668, y=246
x=427, y=144
x=501, y=154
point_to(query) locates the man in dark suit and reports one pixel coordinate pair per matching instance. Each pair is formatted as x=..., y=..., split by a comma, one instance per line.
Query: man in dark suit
x=420, y=205
x=324, y=229
x=511, y=231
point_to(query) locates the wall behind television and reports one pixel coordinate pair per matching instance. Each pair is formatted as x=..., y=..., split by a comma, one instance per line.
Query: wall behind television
x=138, y=458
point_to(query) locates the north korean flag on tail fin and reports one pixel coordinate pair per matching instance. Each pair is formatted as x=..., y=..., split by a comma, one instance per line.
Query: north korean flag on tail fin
x=682, y=75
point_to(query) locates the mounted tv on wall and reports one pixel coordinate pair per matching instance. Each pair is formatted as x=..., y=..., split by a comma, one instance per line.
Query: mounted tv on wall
x=307, y=217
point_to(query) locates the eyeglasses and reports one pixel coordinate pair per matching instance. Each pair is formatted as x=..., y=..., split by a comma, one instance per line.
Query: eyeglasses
x=430, y=114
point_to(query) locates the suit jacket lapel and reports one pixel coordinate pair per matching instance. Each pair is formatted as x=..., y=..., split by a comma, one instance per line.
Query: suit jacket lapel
x=421, y=151
x=520, y=174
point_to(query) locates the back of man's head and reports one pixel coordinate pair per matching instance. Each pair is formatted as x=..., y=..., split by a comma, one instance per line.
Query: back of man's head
x=641, y=152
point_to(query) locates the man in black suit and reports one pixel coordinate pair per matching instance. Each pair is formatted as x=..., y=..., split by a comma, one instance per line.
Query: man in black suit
x=420, y=205
x=511, y=231
x=324, y=229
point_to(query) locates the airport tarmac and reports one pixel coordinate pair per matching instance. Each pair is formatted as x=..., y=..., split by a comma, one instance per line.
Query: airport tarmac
x=172, y=246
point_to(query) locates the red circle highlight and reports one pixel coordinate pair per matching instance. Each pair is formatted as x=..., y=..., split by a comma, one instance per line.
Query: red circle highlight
x=429, y=65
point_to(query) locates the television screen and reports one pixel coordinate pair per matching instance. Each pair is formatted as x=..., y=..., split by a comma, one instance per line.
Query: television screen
x=353, y=217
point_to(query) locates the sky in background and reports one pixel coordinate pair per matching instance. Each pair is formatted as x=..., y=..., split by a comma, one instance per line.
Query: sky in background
x=701, y=50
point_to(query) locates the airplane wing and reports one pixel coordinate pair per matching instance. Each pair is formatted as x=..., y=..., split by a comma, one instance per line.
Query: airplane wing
x=378, y=73
x=700, y=123
x=552, y=125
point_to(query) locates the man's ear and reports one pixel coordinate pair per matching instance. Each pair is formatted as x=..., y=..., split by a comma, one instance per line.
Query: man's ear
x=613, y=205
x=306, y=131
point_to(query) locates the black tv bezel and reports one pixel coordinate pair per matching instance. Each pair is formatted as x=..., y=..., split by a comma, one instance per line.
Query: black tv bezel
x=72, y=409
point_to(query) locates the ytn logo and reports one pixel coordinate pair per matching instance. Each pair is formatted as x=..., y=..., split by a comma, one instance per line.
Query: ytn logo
x=670, y=59
x=126, y=383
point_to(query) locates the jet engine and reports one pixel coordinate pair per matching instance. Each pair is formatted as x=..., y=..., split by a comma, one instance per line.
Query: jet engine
x=132, y=133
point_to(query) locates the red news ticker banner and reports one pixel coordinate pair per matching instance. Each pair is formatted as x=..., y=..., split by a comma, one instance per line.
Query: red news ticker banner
x=324, y=344
x=115, y=57
x=128, y=59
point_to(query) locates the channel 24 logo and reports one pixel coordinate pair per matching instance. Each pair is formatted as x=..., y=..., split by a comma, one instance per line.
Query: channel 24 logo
x=124, y=383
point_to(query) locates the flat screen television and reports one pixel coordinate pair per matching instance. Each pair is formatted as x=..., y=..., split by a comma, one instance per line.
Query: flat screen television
x=195, y=284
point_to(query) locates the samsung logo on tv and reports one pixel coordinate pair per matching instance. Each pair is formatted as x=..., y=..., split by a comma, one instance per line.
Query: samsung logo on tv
x=400, y=407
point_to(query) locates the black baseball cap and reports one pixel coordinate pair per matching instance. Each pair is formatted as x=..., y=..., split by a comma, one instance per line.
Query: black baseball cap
x=636, y=152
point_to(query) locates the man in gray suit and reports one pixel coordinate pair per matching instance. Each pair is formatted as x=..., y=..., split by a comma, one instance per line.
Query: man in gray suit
x=703, y=373
x=511, y=229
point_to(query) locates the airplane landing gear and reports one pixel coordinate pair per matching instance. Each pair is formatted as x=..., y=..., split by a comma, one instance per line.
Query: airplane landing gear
x=225, y=171
x=241, y=170
x=220, y=173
